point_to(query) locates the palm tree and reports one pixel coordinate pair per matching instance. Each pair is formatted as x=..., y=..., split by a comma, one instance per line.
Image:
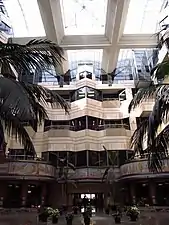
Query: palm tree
x=20, y=101
x=112, y=157
x=158, y=90
x=64, y=176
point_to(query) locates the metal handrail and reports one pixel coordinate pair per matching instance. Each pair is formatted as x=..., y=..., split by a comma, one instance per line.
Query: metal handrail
x=126, y=126
x=110, y=99
x=23, y=157
x=94, y=127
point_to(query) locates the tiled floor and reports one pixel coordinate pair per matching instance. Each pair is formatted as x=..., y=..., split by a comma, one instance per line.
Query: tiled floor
x=159, y=218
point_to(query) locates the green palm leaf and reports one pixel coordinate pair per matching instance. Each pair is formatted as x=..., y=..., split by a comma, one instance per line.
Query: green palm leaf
x=37, y=54
x=158, y=151
x=160, y=71
x=14, y=100
x=14, y=128
x=142, y=95
x=136, y=141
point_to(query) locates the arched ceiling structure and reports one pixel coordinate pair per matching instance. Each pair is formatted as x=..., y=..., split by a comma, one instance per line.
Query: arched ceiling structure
x=108, y=25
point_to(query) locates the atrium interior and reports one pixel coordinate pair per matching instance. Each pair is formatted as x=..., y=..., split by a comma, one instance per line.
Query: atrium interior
x=110, y=48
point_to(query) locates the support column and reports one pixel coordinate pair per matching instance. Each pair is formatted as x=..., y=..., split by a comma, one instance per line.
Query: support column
x=2, y=194
x=152, y=193
x=43, y=194
x=24, y=193
x=133, y=193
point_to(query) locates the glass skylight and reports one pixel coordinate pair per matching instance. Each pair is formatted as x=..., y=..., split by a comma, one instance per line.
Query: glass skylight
x=25, y=18
x=143, y=16
x=84, y=17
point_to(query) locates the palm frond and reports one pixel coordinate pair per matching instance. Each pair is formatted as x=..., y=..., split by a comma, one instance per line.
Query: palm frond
x=160, y=71
x=45, y=96
x=71, y=166
x=136, y=141
x=159, y=151
x=15, y=129
x=159, y=113
x=141, y=95
x=105, y=173
x=14, y=100
x=37, y=54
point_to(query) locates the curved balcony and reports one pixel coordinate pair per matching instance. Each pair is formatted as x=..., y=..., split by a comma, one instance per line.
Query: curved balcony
x=27, y=170
x=114, y=136
x=99, y=127
x=91, y=174
x=43, y=171
x=138, y=169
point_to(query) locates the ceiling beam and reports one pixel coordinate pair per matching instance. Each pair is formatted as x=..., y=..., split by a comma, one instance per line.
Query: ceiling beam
x=137, y=41
x=52, y=19
x=84, y=42
x=110, y=56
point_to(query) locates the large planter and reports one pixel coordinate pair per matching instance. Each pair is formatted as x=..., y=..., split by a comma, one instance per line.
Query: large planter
x=117, y=219
x=133, y=217
x=87, y=220
x=107, y=211
x=43, y=217
x=75, y=211
x=54, y=219
x=69, y=221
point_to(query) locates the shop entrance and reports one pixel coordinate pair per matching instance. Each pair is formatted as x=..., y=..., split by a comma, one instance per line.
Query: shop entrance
x=95, y=200
x=88, y=199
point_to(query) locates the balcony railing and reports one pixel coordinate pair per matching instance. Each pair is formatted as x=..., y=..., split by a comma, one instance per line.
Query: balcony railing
x=91, y=127
x=23, y=157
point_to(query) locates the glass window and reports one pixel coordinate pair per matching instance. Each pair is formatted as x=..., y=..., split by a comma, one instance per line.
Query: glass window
x=103, y=158
x=53, y=158
x=113, y=158
x=81, y=17
x=122, y=157
x=25, y=17
x=93, y=158
x=143, y=16
x=72, y=158
x=81, y=159
x=85, y=61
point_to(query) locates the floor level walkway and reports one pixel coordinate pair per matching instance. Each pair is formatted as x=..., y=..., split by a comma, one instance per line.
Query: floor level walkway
x=151, y=218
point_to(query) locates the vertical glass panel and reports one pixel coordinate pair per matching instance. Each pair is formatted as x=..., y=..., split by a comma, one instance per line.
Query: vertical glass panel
x=81, y=159
x=103, y=158
x=72, y=158
x=93, y=158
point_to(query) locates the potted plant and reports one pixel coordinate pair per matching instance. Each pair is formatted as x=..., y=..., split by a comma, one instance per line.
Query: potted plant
x=89, y=210
x=69, y=218
x=75, y=209
x=133, y=213
x=44, y=213
x=107, y=211
x=43, y=216
x=55, y=215
x=117, y=218
x=86, y=218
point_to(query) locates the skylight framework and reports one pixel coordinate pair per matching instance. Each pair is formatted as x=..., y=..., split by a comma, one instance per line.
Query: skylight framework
x=25, y=18
x=143, y=16
x=84, y=17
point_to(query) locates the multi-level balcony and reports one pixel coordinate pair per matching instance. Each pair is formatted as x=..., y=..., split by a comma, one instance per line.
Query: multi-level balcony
x=113, y=136
x=106, y=109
